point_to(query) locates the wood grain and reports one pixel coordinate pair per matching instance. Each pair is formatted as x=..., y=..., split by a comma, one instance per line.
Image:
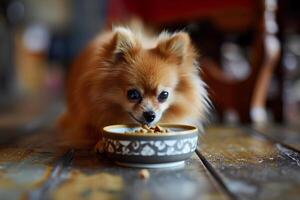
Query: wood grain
x=288, y=135
x=34, y=167
x=250, y=166
x=25, y=167
x=235, y=163
x=91, y=177
x=27, y=163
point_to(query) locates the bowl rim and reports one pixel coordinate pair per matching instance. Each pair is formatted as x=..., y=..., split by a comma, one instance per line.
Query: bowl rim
x=191, y=129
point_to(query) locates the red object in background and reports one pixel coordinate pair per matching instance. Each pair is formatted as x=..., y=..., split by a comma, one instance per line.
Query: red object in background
x=168, y=11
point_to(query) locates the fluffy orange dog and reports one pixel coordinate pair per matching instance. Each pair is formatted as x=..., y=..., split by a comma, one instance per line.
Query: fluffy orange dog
x=124, y=76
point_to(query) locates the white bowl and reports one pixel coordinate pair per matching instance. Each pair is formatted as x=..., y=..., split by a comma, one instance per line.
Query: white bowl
x=152, y=150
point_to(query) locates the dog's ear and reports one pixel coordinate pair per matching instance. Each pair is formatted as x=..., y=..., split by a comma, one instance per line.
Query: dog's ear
x=124, y=43
x=175, y=45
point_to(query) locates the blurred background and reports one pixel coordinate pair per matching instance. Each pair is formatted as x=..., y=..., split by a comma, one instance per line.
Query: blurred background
x=250, y=52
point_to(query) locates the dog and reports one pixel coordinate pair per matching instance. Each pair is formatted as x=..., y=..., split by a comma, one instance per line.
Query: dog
x=126, y=75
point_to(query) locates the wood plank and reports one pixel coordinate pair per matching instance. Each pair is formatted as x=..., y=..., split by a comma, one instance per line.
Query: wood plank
x=250, y=166
x=287, y=135
x=91, y=177
x=25, y=165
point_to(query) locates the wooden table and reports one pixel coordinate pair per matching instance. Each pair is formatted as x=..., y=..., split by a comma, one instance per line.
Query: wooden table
x=230, y=163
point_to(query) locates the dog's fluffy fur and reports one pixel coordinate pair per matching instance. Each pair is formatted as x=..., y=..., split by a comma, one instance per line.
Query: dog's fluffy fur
x=121, y=59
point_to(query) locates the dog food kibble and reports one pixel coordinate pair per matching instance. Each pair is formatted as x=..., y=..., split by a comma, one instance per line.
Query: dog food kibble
x=147, y=129
x=144, y=174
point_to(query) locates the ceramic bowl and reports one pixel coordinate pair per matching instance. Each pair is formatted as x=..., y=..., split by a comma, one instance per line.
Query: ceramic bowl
x=152, y=150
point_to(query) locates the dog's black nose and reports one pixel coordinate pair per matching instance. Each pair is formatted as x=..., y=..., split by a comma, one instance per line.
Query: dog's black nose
x=149, y=116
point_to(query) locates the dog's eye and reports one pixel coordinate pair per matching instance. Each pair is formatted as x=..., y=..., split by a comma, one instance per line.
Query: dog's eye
x=163, y=96
x=134, y=95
